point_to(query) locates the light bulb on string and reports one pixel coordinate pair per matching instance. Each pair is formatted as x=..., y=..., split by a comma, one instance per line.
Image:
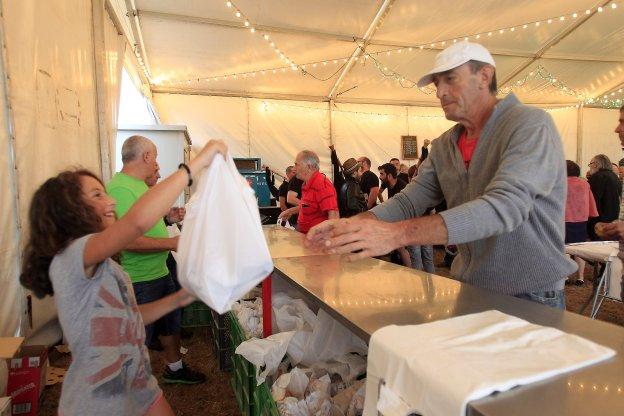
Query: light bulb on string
x=228, y=3
x=238, y=14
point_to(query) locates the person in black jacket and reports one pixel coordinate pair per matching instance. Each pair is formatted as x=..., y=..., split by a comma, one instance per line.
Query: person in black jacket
x=351, y=200
x=607, y=190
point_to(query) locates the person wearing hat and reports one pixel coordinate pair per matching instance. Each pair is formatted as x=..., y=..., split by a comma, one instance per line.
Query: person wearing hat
x=502, y=172
x=351, y=200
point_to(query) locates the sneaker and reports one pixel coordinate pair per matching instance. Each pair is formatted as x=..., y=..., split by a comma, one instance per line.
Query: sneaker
x=183, y=376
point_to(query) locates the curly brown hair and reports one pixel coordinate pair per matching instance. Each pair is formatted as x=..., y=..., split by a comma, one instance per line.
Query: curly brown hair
x=57, y=216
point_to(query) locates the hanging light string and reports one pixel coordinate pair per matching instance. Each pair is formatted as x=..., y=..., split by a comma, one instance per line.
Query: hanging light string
x=305, y=68
x=608, y=100
x=266, y=106
x=265, y=36
x=541, y=73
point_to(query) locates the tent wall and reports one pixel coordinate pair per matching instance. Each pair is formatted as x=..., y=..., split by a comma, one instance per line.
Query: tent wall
x=56, y=117
x=11, y=294
x=599, y=136
x=277, y=130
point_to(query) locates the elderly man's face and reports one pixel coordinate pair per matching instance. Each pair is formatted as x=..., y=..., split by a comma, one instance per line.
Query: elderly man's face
x=593, y=166
x=620, y=128
x=459, y=91
x=302, y=169
x=150, y=159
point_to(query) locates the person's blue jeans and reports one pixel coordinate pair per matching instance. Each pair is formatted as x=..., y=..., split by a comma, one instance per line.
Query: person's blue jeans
x=426, y=253
x=146, y=292
x=422, y=258
x=553, y=298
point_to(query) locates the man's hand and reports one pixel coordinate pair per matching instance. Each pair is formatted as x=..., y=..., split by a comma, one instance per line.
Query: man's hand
x=331, y=147
x=363, y=237
x=286, y=214
x=610, y=231
x=176, y=215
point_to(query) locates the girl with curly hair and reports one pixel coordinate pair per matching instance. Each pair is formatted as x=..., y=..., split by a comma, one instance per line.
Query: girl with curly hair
x=73, y=234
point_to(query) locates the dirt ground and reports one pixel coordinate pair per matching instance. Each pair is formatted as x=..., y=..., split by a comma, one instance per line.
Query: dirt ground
x=216, y=397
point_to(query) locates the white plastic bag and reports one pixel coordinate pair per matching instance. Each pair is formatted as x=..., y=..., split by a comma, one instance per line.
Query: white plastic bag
x=222, y=253
x=267, y=352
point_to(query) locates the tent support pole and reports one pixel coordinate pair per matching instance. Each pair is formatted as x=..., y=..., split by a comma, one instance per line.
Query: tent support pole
x=579, y=135
x=99, y=49
x=248, y=129
x=330, y=104
x=372, y=28
x=12, y=171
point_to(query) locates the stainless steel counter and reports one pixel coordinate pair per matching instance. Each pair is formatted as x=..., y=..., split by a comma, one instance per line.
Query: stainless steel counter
x=286, y=243
x=370, y=294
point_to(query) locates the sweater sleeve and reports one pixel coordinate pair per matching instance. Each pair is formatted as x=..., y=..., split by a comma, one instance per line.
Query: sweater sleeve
x=526, y=171
x=421, y=193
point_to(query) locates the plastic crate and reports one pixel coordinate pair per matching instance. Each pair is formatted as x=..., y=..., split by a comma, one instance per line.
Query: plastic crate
x=221, y=331
x=243, y=372
x=196, y=314
x=263, y=403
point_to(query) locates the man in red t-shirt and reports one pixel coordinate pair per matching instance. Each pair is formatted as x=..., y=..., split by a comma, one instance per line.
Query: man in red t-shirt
x=318, y=196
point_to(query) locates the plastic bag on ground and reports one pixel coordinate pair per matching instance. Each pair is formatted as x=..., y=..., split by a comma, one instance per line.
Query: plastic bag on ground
x=221, y=260
x=356, y=407
x=249, y=315
x=266, y=352
x=329, y=340
x=343, y=399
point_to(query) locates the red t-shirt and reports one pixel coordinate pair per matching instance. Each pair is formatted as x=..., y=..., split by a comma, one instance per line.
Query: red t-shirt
x=318, y=197
x=467, y=147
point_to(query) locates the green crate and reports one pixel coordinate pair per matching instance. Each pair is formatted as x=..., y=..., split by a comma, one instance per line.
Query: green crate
x=196, y=314
x=243, y=372
x=263, y=403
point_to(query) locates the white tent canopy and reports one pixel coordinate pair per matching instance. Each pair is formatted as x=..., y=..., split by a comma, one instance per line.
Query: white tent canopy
x=346, y=77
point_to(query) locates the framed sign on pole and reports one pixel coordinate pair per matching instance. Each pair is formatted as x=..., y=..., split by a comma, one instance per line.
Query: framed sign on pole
x=409, y=147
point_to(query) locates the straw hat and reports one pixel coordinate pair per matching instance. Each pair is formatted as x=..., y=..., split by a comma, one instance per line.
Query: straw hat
x=350, y=165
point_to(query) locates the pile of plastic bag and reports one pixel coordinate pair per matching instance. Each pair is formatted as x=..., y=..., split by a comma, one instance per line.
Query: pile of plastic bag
x=305, y=337
x=325, y=389
x=249, y=315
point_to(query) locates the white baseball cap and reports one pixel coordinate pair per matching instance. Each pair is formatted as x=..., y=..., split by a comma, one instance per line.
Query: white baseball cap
x=454, y=56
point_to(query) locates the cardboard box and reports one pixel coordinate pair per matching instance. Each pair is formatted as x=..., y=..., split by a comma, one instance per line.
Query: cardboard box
x=5, y=406
x=9, y=346
x=27, y=379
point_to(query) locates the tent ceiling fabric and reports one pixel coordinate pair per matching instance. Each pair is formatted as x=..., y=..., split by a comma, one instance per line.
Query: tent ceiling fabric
x=194, y=39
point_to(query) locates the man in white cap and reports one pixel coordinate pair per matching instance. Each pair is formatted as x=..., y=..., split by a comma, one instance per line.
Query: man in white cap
x=502, y=172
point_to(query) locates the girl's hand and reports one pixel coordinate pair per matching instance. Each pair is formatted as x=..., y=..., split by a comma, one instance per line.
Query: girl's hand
x=184, y=298
x=207, y=154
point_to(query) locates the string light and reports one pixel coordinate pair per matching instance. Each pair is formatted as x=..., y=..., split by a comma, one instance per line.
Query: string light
x=335, y=109
x=252, y=29
x=406, y=82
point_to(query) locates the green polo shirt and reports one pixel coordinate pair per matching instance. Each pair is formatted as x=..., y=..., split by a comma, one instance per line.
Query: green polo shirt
x=141, y=267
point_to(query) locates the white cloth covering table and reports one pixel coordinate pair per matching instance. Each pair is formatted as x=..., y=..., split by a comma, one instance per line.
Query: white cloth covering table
x=609, y=283
x=435, y=369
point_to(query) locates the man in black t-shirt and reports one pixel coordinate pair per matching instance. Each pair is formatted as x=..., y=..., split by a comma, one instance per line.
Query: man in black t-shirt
x=283, y=189
x=293, y=197
x=388, y=176
x=403, y=176
x=368, y=182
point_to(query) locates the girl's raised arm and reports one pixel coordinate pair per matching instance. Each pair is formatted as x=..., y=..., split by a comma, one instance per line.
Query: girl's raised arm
x=152, y=206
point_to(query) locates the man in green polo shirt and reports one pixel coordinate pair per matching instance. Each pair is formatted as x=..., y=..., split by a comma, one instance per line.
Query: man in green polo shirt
x=145, y=260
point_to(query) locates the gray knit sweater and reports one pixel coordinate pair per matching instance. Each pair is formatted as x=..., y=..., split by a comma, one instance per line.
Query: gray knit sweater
x=506, y=211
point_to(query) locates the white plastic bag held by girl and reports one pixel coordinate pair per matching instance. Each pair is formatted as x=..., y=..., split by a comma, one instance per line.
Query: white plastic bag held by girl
x=222, y=253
